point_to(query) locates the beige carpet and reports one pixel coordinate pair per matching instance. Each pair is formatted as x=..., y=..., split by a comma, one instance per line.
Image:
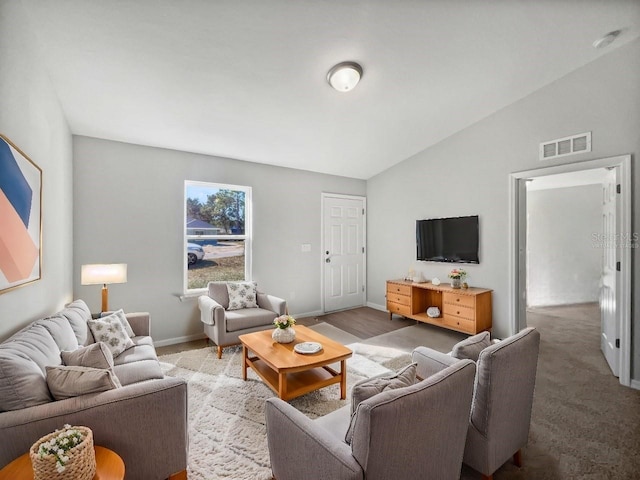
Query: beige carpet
x=227, y=437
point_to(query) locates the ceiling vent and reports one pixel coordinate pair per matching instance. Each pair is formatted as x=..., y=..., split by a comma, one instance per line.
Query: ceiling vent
x=562, y=147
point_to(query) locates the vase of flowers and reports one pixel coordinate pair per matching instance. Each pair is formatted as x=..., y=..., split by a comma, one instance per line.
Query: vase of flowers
x=457, y=276
x=63, y=454
x=284, y=332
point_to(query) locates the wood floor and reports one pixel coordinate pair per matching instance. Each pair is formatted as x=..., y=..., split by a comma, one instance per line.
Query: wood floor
x=363, y=322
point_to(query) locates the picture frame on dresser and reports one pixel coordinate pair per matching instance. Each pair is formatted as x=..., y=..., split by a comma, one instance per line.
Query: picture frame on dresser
x=20, y=217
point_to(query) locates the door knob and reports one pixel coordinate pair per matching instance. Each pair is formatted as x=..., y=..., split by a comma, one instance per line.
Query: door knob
x=328, y=260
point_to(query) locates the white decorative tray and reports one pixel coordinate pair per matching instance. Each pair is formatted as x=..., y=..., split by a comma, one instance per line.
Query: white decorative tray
x=307, y=347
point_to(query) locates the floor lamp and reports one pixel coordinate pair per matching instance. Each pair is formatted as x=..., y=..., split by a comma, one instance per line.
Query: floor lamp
x=104, y=274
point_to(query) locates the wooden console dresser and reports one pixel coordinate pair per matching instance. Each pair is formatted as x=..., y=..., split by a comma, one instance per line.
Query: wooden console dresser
x=466, y=310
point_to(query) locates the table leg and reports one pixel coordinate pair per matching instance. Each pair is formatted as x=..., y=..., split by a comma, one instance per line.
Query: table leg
x=245, y=363
x=282, y=385
x=343, y=379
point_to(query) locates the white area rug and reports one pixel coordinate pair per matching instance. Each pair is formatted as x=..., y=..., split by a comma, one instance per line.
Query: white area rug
x=227, y=435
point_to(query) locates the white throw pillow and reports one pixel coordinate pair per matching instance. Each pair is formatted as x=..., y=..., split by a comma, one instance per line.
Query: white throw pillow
x=119, y=314
x=242, y=295
x=110, y=331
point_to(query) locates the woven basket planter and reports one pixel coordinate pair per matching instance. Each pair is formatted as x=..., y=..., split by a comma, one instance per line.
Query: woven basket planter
x=81, y=464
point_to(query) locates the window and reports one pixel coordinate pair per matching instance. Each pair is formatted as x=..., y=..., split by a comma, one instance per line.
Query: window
x=217, y=234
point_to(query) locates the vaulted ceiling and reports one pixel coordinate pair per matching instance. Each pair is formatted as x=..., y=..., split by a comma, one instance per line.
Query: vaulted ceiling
x=246, y=79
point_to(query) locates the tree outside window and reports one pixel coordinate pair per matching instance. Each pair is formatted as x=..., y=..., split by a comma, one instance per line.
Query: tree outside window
x=217, y=233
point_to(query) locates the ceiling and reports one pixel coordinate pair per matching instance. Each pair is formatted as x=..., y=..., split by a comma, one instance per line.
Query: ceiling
x=596, y=176
x=246, y=79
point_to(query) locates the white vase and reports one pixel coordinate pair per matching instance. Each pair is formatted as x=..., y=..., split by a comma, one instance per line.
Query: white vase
x=456, y=282
x=284, y=335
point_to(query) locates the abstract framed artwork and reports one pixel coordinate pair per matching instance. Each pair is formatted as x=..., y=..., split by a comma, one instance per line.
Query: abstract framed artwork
x=20, y=217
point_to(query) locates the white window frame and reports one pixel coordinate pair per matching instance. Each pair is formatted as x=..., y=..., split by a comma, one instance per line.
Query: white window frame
x=247, y=236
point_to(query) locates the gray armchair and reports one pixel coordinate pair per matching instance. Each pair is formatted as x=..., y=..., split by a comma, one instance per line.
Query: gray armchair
x=224, y=326
x=503, y=397
x=413, y=433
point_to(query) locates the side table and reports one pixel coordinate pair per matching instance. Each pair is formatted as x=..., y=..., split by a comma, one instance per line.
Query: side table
x=109, y=466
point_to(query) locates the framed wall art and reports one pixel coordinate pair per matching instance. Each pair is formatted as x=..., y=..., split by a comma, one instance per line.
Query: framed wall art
x=20, y=217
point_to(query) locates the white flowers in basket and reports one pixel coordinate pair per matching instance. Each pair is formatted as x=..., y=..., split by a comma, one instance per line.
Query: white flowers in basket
x=59, y=445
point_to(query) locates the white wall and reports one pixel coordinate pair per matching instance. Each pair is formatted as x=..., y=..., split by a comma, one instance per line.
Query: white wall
x=31, y=117
x=468, y=174
x=129, y=208
x=564, y=265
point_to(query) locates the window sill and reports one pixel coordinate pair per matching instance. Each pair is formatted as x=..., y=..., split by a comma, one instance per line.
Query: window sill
x=194, y=294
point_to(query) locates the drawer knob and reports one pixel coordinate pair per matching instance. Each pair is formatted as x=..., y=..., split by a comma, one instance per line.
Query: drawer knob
x=458, y=313
x=457, y=299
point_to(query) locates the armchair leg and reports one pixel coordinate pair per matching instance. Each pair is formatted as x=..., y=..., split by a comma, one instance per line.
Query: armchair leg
x=517, y=458
x=219, y=352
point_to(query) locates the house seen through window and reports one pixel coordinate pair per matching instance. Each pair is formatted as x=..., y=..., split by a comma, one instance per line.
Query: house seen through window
x=217, y=233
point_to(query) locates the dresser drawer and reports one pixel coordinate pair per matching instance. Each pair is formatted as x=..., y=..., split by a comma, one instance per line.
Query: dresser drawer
x=398, y=308
x=396, y=298
x=459, y=323
x=457, y=299
x=459, y=311
x=399, y=289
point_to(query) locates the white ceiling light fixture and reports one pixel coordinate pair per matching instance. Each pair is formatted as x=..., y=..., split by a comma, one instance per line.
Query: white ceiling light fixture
x=344, y=76
x=607, y=39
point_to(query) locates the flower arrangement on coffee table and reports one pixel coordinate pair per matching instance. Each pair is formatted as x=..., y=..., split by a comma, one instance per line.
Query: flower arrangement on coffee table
x=65, y=453
x=284, y=332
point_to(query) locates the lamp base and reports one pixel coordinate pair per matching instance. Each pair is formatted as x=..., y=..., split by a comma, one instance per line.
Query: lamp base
x=105, y=299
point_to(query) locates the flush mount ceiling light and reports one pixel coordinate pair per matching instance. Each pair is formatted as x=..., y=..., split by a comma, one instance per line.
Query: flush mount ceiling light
x=344, y=76
x=607, y=39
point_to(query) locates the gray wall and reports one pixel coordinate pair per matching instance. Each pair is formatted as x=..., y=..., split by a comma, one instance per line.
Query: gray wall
x=129, y=208
x=468, y=174
x=31, y=118
x=564, y=266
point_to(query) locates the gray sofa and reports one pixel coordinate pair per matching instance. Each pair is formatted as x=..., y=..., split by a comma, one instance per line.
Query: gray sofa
x=144, y=420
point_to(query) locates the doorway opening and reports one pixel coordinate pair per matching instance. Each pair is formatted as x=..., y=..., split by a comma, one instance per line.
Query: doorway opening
x=576, y=256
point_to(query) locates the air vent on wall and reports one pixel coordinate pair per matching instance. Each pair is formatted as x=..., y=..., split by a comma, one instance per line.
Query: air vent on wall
x=566, y=146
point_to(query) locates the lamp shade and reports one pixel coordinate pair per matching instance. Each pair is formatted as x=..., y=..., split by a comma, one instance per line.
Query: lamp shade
x=103, y=274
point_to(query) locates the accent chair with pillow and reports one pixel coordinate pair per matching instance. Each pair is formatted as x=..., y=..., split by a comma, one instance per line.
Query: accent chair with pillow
x=232, y=309
x=410, y=432
x=503, y=394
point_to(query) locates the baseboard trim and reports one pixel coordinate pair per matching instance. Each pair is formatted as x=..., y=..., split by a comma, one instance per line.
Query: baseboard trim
x=173, y=341
x=315, y=313
x=635, y=384
x=375, y=306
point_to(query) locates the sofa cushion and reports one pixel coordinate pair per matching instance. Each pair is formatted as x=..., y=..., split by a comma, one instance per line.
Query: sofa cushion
x=78, y=315
x=249, y=318
x=141, y=371
x=96, y=355
x=119, y=314
x=23, y=359
x=136, y=353
x=73, y=381
x=471, y=347
x=242, y=295
x=142, y=340
x=218, y=291
x=366, y=389
x=60, y=329
x=111, y=331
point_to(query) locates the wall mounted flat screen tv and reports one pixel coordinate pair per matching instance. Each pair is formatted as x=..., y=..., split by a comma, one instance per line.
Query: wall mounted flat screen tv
x=451, y=240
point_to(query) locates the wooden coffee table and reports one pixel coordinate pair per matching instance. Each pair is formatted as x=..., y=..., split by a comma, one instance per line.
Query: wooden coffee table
x=292, y=374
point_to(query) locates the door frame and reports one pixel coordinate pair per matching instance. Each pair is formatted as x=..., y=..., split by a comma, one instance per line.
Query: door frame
x=323, y=196
x=517, y=262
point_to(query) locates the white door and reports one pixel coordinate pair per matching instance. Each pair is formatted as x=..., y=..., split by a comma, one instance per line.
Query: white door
x=343, y=252
x=608, y=303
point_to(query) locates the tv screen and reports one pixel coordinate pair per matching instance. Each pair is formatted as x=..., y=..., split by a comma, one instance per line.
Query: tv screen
x=452, y=240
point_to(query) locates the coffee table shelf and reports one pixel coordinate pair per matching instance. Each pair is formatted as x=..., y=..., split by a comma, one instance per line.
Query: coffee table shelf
x=290, y=374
